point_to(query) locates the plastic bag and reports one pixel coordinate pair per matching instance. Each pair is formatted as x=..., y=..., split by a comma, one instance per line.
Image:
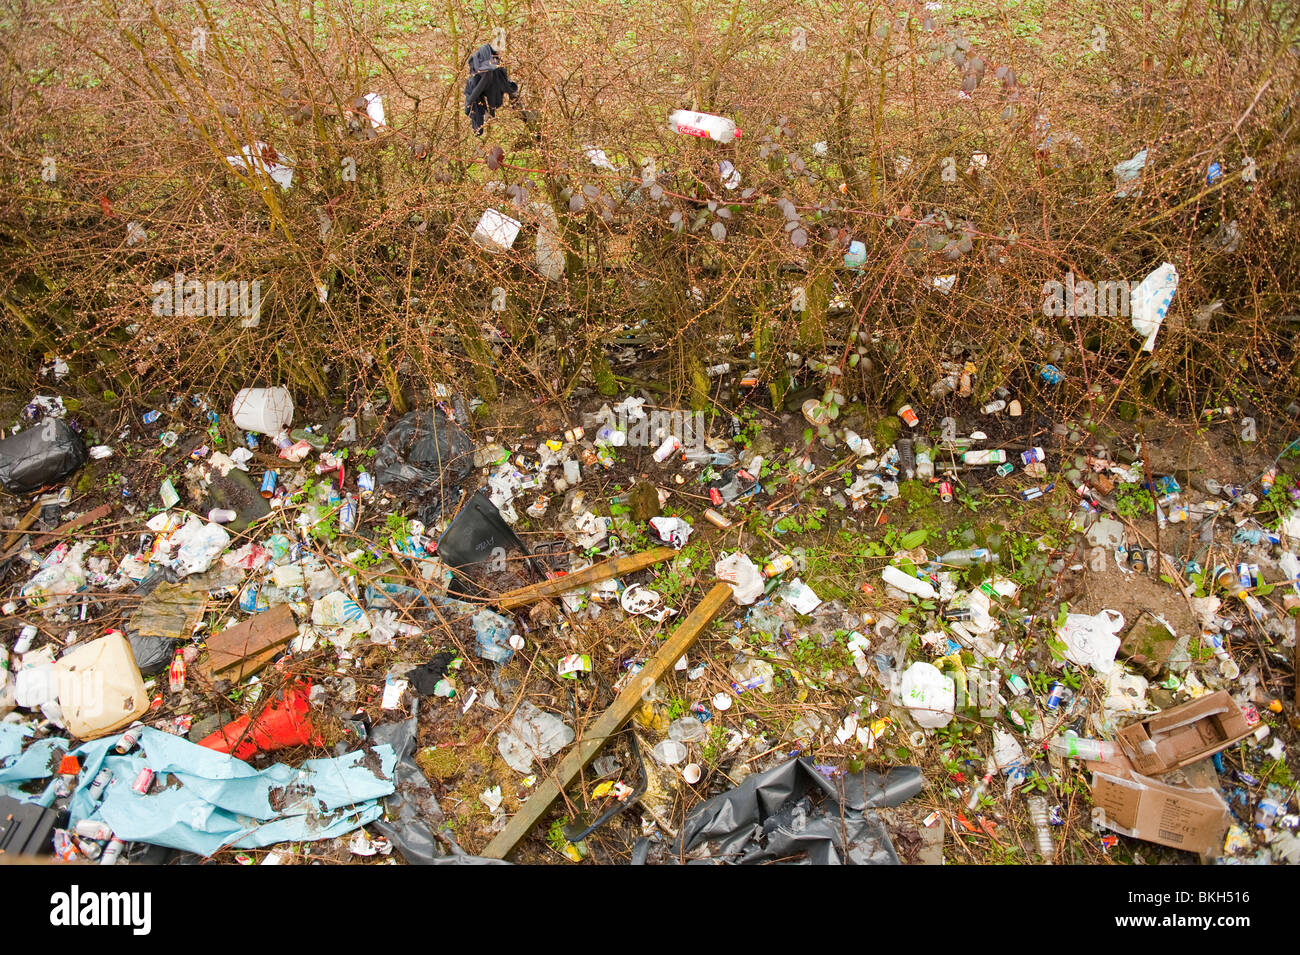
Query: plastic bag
x=930, y=696
x=41, y=455
x=424, y=458
x=532, y=734
x=197, y=545
x=1092, y=640
x=1150, y=300
x=743, y=576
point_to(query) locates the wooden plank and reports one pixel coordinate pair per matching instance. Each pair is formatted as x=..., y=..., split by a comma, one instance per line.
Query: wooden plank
x=250, y=645
x=64, y=529
x=513, y=599
x=11, y=539
x=608, y=723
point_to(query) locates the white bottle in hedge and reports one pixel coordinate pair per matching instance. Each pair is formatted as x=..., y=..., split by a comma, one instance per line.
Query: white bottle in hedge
x=705, y=125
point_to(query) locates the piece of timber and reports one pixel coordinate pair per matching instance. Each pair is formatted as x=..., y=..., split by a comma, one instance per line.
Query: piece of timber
x=594, y=574
x=608, y=723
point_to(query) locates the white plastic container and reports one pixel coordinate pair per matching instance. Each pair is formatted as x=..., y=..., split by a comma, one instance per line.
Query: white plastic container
x=705, y=125
x=100, y=687
x=263, y=410
x=909, y=584
x=496, y=231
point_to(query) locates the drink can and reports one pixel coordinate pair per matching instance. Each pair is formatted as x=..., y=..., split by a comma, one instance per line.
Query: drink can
x=1018, y=685
x=1137, y=559
x=128, y=739
x=268, y=483
x=909, y=416
x=348, y=514
x=1243, y=576
x=1032, y=455
x=1051, y=374
x=1004, y=469
x=670, y=445
x=715, y=497
x=366, y=483
x=65, y=496
x=1059, y=695
x=1031, y=493
x=716, y=519
x=94, y=829
x=150, y=417
x=945, y=491
x=143, y=781
x=778, y=565
x=112, y=852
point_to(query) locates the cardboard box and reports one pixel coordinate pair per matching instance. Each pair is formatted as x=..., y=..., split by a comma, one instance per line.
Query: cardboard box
x=1193, y=816
x=1183, y=734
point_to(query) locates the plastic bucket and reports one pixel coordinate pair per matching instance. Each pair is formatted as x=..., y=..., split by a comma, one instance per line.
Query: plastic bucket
x=263, y=410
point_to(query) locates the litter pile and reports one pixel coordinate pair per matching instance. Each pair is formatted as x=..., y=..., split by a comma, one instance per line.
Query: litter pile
x=365, y=612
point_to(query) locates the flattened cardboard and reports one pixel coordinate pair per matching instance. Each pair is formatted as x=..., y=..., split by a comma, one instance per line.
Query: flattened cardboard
x=247, y=647
x=1183, y=734
x=1194, y=818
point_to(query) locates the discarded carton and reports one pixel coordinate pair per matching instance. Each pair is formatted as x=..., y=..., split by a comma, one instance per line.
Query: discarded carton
x=1191, y=816
x=1148, y=643
x=100, y=687
x=1183, y=734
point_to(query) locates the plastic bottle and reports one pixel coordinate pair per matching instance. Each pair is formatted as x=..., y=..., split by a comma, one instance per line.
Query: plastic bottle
x=1038, y=813
x=1290, y=565
x=967, y=557
x=705, y=125
x=906, y=459
x=908, y=584
x=924, y=465
x=984, y=457
x=1078, y=747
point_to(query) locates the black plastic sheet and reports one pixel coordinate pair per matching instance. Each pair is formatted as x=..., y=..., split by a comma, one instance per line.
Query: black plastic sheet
x=792, y=813
x=424, y=459
x=411, y=812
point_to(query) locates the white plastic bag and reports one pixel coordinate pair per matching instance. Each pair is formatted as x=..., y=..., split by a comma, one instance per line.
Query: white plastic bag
x=930, y=696
x=532, y=734
x=743, y=575
x=1149, y=302
x=1092, y=640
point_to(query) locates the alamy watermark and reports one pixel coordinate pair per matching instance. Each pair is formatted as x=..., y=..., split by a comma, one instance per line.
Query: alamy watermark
x=192, y=298
x=1071, y=298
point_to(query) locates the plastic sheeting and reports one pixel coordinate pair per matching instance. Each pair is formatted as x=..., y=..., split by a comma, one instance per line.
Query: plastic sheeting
x=204, y=800
x=792, y=812
x=412, y=810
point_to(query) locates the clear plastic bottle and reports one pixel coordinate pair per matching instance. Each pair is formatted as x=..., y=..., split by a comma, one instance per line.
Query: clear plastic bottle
x=1078, y=747
x=1038, y=813
x=967, y=557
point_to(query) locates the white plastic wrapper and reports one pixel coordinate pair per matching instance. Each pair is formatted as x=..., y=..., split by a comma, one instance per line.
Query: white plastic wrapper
x=1150, y=300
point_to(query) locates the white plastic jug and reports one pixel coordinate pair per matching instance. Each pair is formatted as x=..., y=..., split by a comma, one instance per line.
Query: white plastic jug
x=263, y=410
x=100, y=687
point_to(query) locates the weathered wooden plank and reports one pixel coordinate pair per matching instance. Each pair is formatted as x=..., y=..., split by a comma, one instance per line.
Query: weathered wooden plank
x=608, y=723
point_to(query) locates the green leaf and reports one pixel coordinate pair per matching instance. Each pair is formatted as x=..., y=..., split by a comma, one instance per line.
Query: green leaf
x=914, y=539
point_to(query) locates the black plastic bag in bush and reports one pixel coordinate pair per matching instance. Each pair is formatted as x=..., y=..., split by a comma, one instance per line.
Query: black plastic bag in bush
x=424, y=459
x=41, y=455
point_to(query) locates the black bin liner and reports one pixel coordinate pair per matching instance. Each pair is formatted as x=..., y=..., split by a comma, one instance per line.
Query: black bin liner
x=40, y=455
x=424, y=459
